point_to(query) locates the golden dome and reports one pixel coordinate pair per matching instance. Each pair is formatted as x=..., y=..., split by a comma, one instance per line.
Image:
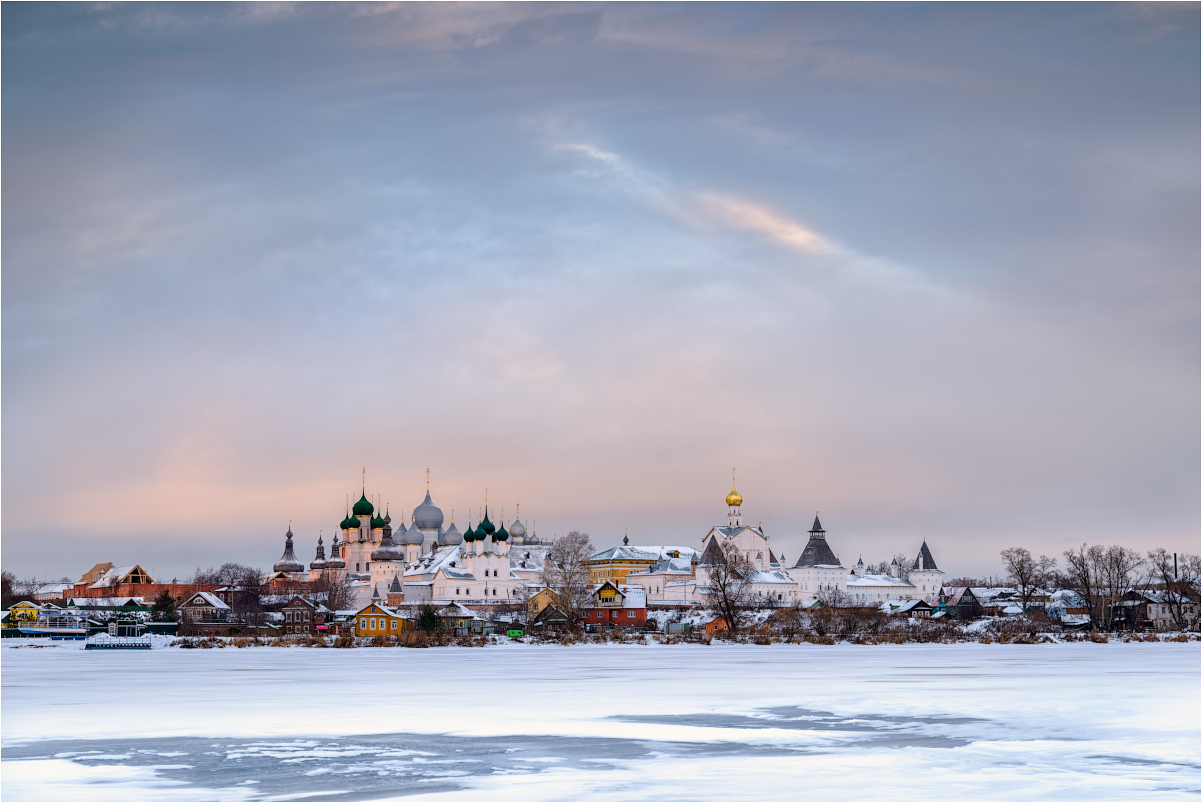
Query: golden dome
x=733, y=499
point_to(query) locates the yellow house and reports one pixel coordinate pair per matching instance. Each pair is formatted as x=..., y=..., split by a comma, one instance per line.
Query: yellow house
x=614, y=564
x=541, y=600
x=378, y=620
x=23, y=611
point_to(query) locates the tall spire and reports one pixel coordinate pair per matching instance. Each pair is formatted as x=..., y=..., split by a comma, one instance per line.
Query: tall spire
x=427, y=480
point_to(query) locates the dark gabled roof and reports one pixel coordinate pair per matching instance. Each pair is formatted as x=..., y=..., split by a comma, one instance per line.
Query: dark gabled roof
x=395, y=588
x=712, y=555
x=817, y=553
x=817, y=528
x=550, y=613
x=928, y=562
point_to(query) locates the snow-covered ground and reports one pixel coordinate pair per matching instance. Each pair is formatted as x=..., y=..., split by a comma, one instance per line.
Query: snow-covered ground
x=680, y=722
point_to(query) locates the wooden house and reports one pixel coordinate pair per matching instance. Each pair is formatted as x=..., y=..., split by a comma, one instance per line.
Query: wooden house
x=379, y=620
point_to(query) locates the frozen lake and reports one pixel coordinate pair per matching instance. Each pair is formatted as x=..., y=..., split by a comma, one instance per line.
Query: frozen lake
x=686, y=722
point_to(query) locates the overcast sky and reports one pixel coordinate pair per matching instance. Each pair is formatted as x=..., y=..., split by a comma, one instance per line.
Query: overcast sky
x=930, y=270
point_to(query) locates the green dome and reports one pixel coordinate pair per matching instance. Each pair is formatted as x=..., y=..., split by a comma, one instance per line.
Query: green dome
x=363, y=507
x=486, y=525
x=500, y=534
x=469, y=534
x=378, y=523
x=349, y=523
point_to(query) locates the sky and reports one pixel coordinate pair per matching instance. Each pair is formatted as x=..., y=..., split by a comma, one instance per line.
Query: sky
x=931, y=270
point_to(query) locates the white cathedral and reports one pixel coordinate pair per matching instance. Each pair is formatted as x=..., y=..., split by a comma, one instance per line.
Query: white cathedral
x=485, y=564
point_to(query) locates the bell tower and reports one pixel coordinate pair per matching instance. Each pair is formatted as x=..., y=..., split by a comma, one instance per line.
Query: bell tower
x=734, y=501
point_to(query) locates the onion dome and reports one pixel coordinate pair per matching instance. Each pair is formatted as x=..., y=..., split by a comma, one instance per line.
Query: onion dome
x=349, y=523
x=517, y=529
x=451, y=536
x=427, y=515
x=485, y=527
x=469, y=534
x=387, y=550
x=501, y=534
x=288, y=562
x=363, y=507
x=335, y=560
x=413, y=536
x=399, y=533
x=734, y=498
x=320, y=561
x=378, y=523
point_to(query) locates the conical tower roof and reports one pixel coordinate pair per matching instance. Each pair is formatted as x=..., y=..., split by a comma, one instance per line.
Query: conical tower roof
x=924, y=561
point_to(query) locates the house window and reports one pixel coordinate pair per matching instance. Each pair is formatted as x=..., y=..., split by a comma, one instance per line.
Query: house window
x=393, y=623
x=362, y=624
x=630, y=614
x=494, y=591
x=457, y=591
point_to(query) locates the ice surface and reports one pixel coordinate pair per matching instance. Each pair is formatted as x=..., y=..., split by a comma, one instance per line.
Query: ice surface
x=682, y=722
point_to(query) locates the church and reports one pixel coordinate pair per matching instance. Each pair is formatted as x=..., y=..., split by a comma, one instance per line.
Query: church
x=430, y=562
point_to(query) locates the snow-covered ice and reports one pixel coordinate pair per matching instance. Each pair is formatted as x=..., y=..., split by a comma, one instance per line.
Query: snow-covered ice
x=682, y=722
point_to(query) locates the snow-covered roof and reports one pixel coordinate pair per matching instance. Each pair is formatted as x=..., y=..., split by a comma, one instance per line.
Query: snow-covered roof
x=877, y=581
x=624, y=553
x=665, y=552
x=104, y=602
x=771, y=576
x=212, y=600
x=892, y=606
x=1163, y=597
x=429, y=564
x=455, y=609
x=731, y=532
x=680, y=565
x=113, y=576
x=986, y=594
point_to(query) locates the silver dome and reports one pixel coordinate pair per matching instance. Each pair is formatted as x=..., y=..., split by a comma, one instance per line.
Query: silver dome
x=288, y=562
x=335, y=560
x=386, y=551
x=450, y=536
x=412, y=535
x=517, y=529
x=427, y=515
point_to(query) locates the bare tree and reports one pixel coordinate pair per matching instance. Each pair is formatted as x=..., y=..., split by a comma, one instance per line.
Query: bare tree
x=835, y=597
x=789, y=621
x=337, y=586
x=1177, y=574
x=1081, y=575
x=566, y=575
x=1120, y=574
x=9, y=591
x=1025, y=572
x=1101, y=576
x=519, y=604
x=728, y=593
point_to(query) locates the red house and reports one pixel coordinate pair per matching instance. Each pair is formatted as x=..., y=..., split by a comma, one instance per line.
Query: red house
x=619, y=607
